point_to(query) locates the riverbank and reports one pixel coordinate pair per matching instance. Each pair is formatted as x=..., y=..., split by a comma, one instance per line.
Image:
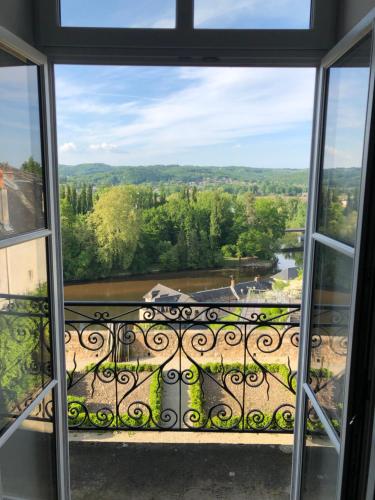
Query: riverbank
x=135, y=287
x=231, y=264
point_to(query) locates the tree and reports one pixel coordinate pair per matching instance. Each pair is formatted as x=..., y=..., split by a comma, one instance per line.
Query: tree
x=74, y=199
x=32, y=167
x=248, y=202
x=90, y=199
x=83, y=201
x=193, y=250
x=69, y=194
x=255, y=243
x=116, y=219
x=133, y=228
x=181, y=249
x=168, y=259
x=79, y=245
x=262, y=239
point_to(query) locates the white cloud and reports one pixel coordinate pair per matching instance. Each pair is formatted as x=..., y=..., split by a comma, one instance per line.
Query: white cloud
x=219, y=106
x=103, y=146
x=204, y=108
x=67, y=147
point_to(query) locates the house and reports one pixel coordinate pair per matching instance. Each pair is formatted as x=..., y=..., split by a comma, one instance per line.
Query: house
x=290, y=273
x=162, y=293
x=333, y=456
x=235, y=292
x=21, y=200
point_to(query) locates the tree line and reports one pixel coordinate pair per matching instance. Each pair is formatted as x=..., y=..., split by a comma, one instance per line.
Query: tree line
x=262, y=181
x=81, y=201
x=137, y=228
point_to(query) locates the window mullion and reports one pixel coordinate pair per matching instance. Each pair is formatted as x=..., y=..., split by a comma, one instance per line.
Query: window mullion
x=185, y=15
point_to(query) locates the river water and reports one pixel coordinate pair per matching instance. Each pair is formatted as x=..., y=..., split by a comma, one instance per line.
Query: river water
x=135, y=287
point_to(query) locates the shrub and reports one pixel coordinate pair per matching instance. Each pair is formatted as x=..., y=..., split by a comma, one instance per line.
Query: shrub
x=196, y=398
x=275, y=312
x=120, y=366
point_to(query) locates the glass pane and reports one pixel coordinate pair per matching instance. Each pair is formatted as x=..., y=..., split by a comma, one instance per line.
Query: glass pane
x=25, y=357
x=119, y=13
x=21, y=170
x=344, y=140
x=252, y=14
x=320, y=462
x=27, y=460
x=329, y=329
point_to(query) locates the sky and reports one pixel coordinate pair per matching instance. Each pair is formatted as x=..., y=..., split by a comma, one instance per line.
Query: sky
x=208, y=13
x=198, y=116
x=346, y=117
x=19, y=115
x=258, y=117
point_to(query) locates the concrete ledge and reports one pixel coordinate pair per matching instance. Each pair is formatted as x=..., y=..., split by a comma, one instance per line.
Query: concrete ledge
x=136, y=471
x=187, y=437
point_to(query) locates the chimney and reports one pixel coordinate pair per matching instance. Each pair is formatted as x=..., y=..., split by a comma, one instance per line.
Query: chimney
x=232, y=281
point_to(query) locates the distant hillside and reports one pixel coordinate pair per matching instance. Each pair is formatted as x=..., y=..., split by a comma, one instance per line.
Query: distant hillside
x=101, y=174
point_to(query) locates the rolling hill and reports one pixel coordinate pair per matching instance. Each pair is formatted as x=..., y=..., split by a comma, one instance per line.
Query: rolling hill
x=101, y=174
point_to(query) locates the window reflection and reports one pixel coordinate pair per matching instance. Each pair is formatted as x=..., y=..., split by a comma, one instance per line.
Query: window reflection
x=27, y=460
x=329, y=329
x=320, y=464
x=25, y=358
x=344, y=140
x=21, y=171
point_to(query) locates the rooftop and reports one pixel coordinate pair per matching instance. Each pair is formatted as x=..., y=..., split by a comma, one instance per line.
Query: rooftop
x=234, y=292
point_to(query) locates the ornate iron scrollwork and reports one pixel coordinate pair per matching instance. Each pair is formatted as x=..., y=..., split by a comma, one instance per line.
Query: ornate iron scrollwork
x=182, y=366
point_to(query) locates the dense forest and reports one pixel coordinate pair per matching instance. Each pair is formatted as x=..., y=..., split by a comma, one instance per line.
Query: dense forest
x=123, y=220
x=139, y=228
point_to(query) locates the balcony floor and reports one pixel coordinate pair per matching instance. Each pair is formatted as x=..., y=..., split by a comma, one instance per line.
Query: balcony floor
x=139, y=471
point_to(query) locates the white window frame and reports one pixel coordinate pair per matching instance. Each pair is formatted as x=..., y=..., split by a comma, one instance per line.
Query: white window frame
x=17, y=47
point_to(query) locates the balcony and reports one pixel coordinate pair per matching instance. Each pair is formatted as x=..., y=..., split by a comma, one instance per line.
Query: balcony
x=198, y=387
x=212, y=384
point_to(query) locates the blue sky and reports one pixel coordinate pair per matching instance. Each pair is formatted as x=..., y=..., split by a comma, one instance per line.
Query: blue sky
x=346, y=117
x=19, y=115
x=208, y=13
x=257, y=117
x=137, y=116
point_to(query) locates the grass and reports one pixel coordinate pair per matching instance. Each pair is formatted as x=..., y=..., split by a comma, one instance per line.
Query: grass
x=275, y=312
x=80, y=417
x=232, y=317
x=256, y=420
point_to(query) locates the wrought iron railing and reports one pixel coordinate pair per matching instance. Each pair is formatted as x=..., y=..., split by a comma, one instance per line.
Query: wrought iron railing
x=25, y=361
x=168, y=366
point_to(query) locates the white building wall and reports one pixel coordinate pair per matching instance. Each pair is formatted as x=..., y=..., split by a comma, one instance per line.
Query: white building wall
x=23, y=268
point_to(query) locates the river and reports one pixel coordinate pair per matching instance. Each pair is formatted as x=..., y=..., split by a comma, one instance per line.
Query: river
x=135, y=287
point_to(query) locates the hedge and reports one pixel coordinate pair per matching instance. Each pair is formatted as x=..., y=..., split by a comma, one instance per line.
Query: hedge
x=78, y=417
x=121, y=366
x=254, y=421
